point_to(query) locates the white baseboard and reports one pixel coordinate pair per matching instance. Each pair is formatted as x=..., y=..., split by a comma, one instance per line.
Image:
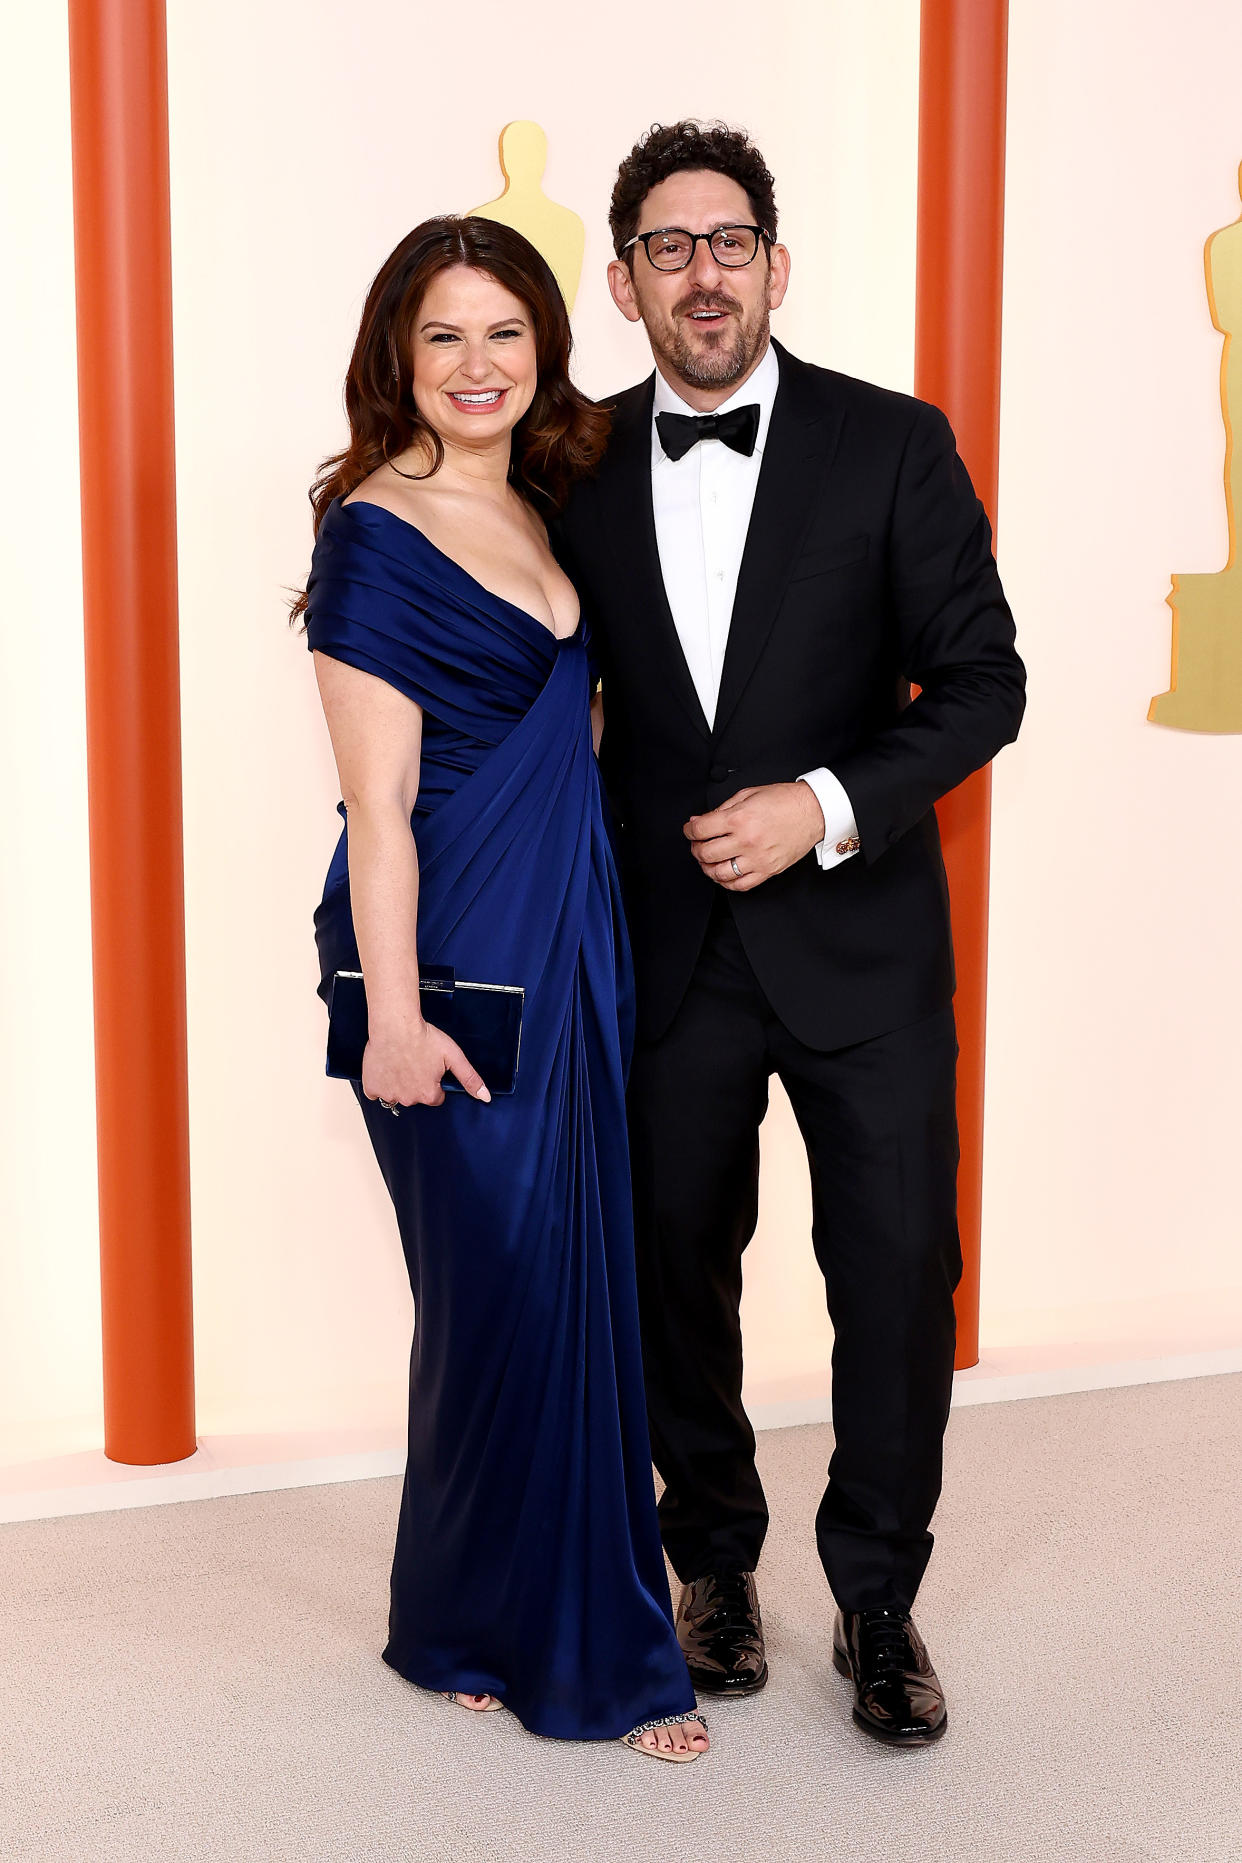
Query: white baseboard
x=88, y=1483
x=999, y=1378
x=987, y=1383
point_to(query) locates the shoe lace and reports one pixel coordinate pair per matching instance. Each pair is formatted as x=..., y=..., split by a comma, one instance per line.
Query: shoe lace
x=731, y=1595
x=883, y=1636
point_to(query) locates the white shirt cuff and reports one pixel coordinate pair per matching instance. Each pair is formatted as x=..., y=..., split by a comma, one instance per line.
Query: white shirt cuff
x=840, y=828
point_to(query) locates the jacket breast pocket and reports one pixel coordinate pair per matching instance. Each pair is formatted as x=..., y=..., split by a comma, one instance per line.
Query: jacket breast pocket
x=821, y=558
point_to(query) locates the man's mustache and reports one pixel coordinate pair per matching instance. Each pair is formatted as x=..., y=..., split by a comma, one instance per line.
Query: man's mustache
x=689, y=305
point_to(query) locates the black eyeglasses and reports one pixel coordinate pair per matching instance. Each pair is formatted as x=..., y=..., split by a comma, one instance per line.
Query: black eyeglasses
x=672, y=248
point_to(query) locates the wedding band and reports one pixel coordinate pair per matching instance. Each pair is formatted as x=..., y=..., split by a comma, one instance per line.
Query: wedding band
x=390, y=1106
x=737, y=871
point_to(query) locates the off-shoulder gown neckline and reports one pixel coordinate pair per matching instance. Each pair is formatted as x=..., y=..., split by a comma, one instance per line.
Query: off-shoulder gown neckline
x=559, y=640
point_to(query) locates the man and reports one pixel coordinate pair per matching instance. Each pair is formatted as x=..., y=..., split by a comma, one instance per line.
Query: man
x=770, y=555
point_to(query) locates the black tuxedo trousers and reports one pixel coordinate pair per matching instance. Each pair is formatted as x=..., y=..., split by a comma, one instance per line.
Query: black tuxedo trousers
x=880, y=1130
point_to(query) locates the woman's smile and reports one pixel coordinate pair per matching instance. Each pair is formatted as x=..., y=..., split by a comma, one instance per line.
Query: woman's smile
x=477, y=400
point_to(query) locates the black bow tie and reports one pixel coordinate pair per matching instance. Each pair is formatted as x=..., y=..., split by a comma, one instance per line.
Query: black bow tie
x=738, y=429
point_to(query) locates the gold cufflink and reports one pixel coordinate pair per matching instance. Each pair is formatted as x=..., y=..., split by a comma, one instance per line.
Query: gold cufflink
x=851, y=846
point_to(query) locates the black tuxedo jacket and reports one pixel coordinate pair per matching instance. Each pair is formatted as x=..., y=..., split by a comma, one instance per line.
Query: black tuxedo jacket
x=868, y=566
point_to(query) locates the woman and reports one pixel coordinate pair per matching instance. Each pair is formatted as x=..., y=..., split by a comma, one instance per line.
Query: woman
x=454, y=675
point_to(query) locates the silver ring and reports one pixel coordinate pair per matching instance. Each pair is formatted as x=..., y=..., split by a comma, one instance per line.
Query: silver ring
x=390, y=1106
x=737, y=871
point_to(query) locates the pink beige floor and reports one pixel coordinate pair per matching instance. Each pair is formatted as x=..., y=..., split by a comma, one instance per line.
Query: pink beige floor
x=201, y=1681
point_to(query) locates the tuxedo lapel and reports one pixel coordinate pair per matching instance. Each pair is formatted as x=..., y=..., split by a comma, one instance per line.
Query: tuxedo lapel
x=802, y=439
x=625, y=484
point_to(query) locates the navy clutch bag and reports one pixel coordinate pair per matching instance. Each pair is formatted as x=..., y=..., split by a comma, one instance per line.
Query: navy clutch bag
x=484, y=1019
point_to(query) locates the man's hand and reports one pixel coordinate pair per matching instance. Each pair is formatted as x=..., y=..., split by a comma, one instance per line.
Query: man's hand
x=762, y=830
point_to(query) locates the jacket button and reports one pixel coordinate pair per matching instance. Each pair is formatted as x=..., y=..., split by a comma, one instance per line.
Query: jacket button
x=718, y=772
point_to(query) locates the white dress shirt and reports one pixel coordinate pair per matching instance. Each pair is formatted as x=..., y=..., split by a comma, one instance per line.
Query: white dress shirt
x=702, y=504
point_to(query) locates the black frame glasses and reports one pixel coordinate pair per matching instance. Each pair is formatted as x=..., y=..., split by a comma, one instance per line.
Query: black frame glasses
x=718, y=232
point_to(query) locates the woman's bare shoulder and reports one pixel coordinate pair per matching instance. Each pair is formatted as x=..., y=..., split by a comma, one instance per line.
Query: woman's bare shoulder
x=383, y=487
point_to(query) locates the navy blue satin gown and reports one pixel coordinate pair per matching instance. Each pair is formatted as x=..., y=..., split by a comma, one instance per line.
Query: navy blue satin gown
x=528, y=1562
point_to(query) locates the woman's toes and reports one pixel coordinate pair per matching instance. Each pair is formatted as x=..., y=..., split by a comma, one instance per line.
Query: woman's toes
x=688, y=1736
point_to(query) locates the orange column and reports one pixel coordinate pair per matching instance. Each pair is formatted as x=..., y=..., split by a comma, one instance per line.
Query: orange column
x=119, y=100
x=961, y=213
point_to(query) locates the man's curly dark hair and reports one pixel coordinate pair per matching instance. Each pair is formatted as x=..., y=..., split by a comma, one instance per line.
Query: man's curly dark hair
x=669, y=149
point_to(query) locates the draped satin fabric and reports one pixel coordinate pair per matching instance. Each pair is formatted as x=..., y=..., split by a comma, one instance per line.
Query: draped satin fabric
x=528, y=1562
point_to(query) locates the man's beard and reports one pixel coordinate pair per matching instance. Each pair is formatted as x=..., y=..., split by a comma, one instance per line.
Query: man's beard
x=723, y=361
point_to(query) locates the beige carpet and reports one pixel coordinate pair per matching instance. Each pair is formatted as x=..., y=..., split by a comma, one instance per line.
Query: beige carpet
x=202, y=1682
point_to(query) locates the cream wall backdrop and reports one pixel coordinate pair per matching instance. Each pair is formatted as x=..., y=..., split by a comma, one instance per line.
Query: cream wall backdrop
x=306, y=140
x=1112, y=1205
x=49, y=1277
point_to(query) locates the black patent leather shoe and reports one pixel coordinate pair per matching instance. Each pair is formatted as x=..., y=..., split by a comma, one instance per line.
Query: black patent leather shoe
x=897, y=1693
x=721, y=1634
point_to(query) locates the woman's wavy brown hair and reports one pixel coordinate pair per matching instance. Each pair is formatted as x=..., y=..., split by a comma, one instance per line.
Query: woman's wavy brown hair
x=561, y=435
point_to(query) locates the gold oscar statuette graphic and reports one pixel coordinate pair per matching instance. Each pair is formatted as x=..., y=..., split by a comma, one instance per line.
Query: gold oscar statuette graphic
x=1205, y=690
x=556, y=231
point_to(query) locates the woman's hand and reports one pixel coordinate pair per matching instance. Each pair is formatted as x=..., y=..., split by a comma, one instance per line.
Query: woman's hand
x=405, y=1067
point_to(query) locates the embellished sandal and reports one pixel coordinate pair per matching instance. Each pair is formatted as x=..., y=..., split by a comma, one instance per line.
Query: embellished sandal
x=669, y=1720
x=455, y=1698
